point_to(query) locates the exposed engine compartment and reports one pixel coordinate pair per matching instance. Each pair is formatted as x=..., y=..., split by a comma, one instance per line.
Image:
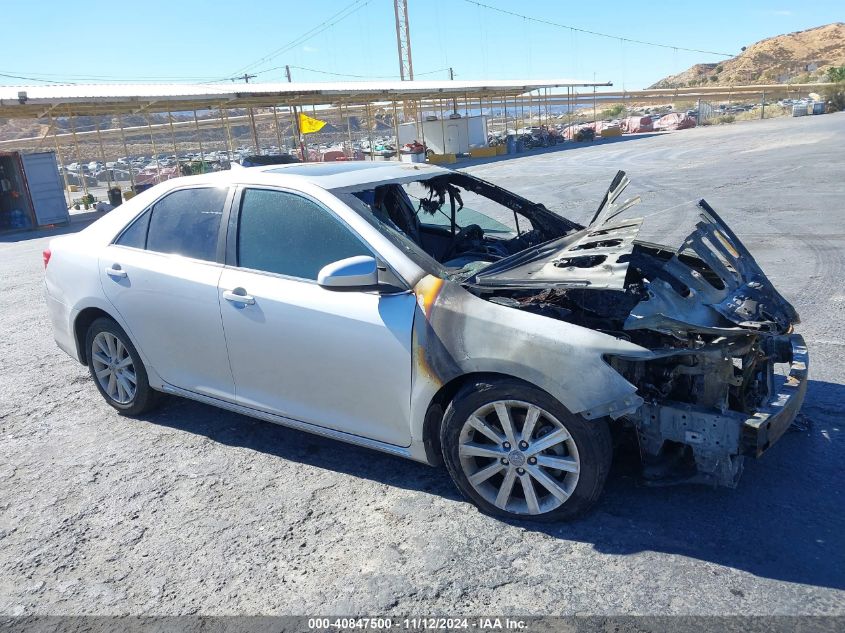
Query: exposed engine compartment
x=707, y=325
x=714, y=324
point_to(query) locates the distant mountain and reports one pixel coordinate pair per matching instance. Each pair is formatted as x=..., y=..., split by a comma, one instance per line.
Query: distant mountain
x=800, y=57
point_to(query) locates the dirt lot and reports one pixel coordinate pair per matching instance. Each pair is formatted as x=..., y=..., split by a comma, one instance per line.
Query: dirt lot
x=195, y=510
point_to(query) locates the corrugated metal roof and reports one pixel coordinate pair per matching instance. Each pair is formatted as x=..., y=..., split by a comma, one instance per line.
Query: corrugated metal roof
x=40, y=101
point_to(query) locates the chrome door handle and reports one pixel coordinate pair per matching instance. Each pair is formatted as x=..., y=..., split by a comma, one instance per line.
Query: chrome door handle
x=116, y=272
x=235, y=297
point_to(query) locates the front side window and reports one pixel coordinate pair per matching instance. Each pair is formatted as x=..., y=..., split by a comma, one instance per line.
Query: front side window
x=187, y=223
x=284, y=233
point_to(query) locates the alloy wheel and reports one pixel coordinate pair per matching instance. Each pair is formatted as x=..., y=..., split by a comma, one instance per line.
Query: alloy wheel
x=519, y=457
x=114, y=368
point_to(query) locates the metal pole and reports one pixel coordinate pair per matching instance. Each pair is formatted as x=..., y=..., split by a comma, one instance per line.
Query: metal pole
x=594, y=104
x=421, y=130
x=454, y=99
x=369, y=132
x=251, y=112
x=79, y=171
x=539, y=108
x=442, y=127
x=155, y=149
x=103, y=154
x=349, y=132
x=278, y=131
x=230, y=146
x=61, y=160
x=199, y=140
x=126, y=149
x=173, y=140
x=295, y=117
x=396, y=127
x=763, y=106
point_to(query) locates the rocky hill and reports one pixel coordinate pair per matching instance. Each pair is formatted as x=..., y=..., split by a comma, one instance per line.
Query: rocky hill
x=800, y=57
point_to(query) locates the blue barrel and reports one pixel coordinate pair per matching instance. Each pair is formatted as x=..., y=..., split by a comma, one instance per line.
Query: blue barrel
x=520, y=146
x=818, y=107
x=511, y=143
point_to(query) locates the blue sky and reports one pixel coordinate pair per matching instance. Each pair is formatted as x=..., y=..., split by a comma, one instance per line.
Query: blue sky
x=187, y=40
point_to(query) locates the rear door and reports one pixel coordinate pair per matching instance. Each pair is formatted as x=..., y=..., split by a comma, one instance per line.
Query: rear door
x=340, y=360
x=161, y=275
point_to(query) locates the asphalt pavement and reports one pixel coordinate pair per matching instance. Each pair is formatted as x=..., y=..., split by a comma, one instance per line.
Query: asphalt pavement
x=193, y=510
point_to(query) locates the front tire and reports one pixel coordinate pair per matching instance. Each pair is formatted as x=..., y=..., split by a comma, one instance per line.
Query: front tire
x=516, y=452
x=117, y=369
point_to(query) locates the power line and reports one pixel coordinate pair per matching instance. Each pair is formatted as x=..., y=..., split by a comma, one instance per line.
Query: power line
x=575, y=28
x=344, y=13
x=326, y=72
x=33, y=76
x=48, y=81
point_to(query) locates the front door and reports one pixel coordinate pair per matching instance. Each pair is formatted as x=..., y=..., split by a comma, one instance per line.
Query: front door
x=453, y=140
x=340, y=360
x=161, y=275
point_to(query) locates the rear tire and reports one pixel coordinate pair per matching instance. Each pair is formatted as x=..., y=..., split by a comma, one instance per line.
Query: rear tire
x=550, y=465
x=117, y=369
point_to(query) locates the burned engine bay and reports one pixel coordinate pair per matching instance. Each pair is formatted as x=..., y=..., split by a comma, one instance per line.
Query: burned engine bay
x=715, y=325
x=711, y=327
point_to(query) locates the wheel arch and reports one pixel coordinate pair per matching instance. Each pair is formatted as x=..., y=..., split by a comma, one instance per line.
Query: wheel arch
x=441, y=399
x=80, y=328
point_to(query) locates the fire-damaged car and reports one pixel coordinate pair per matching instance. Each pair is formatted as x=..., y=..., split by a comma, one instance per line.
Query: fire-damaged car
x=430, y=314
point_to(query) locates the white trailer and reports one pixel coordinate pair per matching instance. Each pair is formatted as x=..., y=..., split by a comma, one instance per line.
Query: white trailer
x=452, y=135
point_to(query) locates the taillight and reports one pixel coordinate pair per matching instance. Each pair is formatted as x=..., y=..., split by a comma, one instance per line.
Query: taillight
x=46, y=255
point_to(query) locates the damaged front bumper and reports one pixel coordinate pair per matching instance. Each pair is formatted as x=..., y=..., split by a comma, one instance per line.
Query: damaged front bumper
x=719, y=440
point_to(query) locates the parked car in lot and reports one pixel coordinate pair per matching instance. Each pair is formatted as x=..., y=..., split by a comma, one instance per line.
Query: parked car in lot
x=433, y=315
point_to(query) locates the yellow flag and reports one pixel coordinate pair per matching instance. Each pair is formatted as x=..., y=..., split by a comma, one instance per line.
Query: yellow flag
x=307, y=125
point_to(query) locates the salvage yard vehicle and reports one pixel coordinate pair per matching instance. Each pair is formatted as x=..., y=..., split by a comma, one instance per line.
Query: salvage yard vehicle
x=430, y=314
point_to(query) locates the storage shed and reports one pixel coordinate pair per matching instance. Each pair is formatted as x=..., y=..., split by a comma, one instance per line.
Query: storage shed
x=31, y=192
x=451, y=135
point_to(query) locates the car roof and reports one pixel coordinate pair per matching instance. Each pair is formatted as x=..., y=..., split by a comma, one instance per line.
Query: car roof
x=339, y=175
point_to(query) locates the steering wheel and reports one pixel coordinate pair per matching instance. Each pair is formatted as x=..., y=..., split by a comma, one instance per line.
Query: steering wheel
x=471, y=232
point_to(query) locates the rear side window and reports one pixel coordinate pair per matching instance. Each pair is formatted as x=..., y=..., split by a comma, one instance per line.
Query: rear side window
x=187, y=223
x=290, y=235
x=136, y=235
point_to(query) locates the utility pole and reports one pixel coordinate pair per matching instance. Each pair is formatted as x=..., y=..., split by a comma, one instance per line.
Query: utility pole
x=246, y=79
x=403, y=46
x=454, y=100
x=298, y=138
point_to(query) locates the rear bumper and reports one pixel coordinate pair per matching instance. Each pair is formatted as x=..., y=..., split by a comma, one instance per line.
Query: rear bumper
x=62, y=318
x=765, y=427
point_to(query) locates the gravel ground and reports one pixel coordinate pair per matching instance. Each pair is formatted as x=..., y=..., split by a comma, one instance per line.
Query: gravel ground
x=195, y=510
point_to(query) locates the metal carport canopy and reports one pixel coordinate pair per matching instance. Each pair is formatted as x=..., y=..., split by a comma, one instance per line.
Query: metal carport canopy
x=21, y=102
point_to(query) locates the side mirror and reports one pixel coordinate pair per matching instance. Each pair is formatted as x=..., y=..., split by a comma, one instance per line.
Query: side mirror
x=352, y=273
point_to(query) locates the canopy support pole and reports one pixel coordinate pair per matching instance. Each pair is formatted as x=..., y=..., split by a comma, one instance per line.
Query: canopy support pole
x=199, y=140
x=370, y=132
x=173, y=140
x=230, y=146
x=349, y=132
x=126, y=149
x=59, y=156
x=396, y=129
x=278, y=130
x=155, y=148
x=103, y=155
x=79, y=171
